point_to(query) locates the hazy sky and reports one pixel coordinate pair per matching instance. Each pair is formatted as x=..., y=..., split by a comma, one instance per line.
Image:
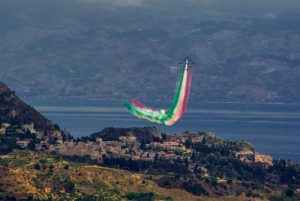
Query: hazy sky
x=243, y=8
x=218, y=8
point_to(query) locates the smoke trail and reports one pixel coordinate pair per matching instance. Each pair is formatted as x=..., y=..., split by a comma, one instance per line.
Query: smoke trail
x=177, y=108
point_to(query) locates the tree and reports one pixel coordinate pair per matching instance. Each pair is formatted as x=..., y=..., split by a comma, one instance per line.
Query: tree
x=66, y=166
x=68, y=185
x=289, y=192
x=164, y=136
x=188, y=143
x=37, y=166
x=194, y=188
x=186, y=162
x=143, y=145
x=156, y=157
x=140, y=196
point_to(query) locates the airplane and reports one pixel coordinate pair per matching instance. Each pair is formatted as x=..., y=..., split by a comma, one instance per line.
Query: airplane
x=188, y=63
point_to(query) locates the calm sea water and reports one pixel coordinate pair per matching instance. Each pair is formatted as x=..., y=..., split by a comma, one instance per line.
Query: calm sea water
x=272, y=128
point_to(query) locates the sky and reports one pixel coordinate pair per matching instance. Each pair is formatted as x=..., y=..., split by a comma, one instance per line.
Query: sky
x=220, y=8
x=218, y=5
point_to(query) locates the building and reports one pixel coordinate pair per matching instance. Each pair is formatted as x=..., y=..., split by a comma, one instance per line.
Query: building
x=2, y=131
x=29, y=127
x=5, y=125
x=99, y=140
x=172, y=138
x=193, y=137
x=23, y=143
x=263, y=159
x=129, y=139
x=170, y=143
x=246, y=156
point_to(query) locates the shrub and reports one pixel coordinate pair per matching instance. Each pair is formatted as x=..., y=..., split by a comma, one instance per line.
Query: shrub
x=140, y=196
x=195, y=189
x=37, y=166
x=68, y=185
x=289, y=192
x=66, y=166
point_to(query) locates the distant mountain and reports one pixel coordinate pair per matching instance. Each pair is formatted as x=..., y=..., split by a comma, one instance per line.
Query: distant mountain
x=92, y=49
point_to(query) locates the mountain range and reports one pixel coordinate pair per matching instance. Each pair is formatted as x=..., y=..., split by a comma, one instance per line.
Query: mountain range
x=112, y=50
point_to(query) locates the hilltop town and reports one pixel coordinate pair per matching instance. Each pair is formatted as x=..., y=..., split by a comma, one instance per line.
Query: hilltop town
x=170, y=148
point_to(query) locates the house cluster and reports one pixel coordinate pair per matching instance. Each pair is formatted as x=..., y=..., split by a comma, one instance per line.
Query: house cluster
x=182, y=138
x=19, y=130
x=254, y=158
x=8, y=129
x=128, y=147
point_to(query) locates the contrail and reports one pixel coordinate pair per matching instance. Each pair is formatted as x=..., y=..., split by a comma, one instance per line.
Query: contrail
x=177, y=108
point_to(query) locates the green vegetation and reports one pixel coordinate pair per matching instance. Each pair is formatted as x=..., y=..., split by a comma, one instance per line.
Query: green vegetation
x=41, y=177
x=144, y=135
x=196, y=189
x=140, y=196
x=283, y=198
x=8, y=144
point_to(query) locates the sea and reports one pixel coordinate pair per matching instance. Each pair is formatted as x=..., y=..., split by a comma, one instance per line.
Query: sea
x=272, y=129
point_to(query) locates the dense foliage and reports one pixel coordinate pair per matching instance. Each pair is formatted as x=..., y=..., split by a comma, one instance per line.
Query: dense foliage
x=145, y=134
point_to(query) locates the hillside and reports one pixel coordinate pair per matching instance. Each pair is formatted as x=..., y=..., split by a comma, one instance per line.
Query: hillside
x=37, y=176
x=19, y=121
x=14, y=111
x=146, y=134
x=97, y=49
x=199, y=163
